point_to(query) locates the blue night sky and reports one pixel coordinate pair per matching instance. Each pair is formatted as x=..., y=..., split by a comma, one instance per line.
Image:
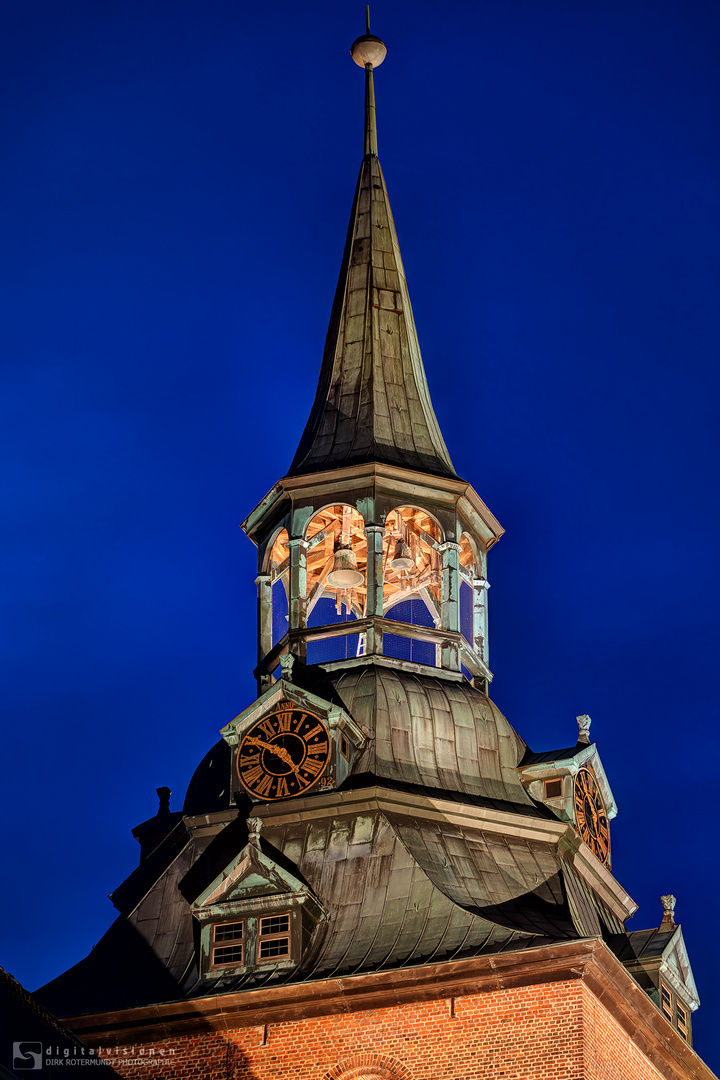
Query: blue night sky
x=176, y=184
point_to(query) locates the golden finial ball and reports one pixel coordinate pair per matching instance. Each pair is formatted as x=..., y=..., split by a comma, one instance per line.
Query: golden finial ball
x=368, y=49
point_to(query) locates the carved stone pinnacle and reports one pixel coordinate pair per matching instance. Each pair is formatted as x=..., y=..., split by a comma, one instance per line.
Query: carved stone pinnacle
x=584, y=723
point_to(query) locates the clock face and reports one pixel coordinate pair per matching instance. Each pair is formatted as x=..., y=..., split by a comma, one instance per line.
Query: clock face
x=284, y=753
x=590, y=815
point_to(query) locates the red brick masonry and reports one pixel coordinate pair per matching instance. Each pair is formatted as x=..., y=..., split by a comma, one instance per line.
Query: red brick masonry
x=568, y=1012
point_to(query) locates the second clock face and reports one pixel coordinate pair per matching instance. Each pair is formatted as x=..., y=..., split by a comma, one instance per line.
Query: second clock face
x=590, y=815
x=284, y=753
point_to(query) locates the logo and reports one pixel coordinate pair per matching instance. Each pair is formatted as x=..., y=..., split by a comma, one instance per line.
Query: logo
x=27, y=1055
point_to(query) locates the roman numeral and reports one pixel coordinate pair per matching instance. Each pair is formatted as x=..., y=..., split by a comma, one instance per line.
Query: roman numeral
x=321, y=748
x=267, y=727
x=251, y=774
x=263, y=788
x=282, y=788
x=312, y=766
x=315, y=731
x=284, y=721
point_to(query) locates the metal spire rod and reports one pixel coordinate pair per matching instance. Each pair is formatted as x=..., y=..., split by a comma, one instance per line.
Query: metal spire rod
x=369, y=52
x=370, y=121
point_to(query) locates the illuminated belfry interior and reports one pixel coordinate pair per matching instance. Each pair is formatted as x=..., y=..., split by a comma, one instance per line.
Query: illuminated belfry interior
x=371, y=547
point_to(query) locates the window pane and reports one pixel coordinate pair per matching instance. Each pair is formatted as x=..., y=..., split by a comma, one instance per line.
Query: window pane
x=666, y=1001
x=276, y=924
x=275, y=947
x=228, y=931
x=228, y=954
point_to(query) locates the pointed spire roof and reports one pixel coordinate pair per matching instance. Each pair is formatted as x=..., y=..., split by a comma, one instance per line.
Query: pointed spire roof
x=372, y=401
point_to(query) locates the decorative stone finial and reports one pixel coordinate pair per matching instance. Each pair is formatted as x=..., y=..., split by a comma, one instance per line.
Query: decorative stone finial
x=254, y=825
x=668, y=919
x=584, y=723
x=286, y=663
x=163, y=794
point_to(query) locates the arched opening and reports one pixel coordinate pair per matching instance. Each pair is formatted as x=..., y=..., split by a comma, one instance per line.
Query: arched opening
x=411, y=582
x=279, y=570
x=336, y=580
x=467, y=590
x=369, y=1066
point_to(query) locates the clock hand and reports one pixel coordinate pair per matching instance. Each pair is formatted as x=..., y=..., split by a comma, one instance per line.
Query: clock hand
x=279, y=751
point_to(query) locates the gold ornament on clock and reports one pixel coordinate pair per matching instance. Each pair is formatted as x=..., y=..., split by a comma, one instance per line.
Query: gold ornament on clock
x=283, y=754
x=590, y=814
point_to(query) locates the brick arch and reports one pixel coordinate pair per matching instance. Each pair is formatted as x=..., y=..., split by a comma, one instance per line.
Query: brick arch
x=369, y=1067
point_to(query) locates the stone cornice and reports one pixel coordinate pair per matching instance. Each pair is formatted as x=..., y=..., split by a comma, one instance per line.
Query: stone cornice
x=588, y=961
x=408, y=482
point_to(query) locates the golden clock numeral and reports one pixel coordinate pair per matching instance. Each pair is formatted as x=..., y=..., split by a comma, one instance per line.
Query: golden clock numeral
x=315, y=731
x=267, y=727
x=312, y=766
x=320, y=749
x=263, y=787
x=284, y=721
x=282, y=788
x=252, y=774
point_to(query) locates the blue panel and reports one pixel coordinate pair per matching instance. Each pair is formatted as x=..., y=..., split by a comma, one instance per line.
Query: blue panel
x=424, y=652
x=336, y=648
x=414, y=611
x=405, y=648
x=279, y=612
x=325, y=613
x=466, y=673
x=400, y=648
x=466, y=611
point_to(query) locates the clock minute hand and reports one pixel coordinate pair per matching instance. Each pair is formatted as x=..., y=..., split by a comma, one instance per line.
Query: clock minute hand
x=279, y=751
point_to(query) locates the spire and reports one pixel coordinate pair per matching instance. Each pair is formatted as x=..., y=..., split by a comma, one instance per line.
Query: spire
x=372, y=401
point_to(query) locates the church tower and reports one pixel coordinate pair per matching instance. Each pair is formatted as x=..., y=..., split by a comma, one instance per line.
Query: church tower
x=372, y=876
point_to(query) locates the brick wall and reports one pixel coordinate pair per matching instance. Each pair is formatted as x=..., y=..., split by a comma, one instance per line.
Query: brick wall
x=608, y=1050
x=557, y=1031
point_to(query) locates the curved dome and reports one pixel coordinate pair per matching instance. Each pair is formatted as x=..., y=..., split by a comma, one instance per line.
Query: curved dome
x=209, y=787
x=432, y=732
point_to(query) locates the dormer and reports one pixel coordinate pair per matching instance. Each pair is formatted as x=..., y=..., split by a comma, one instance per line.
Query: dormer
x=255, y=916
x=658, y=960
x=573, y=784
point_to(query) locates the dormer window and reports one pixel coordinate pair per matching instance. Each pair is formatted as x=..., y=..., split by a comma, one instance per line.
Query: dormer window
x=227, y=943
x=553, y=789
x=681, y=1020
x=673, y=1011
x=259, y=938
x=274, y=938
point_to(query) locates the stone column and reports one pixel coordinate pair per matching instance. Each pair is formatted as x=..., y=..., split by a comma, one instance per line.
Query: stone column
x=450, y=601
x=264, y=615
x=297, y=601
x=374, y=582
x=480, y=621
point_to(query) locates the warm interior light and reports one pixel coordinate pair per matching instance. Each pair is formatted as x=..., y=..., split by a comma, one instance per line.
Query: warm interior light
x=345, y=574
x=402, y=560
